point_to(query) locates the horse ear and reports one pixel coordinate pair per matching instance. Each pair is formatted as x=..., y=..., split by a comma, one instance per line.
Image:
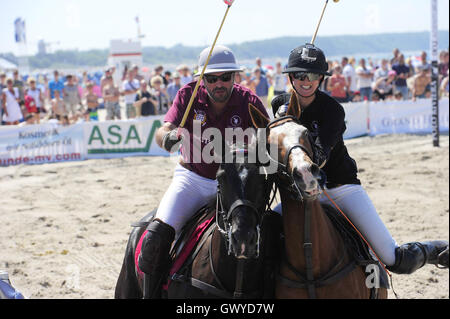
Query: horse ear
x=294, y=107
x=259, y=120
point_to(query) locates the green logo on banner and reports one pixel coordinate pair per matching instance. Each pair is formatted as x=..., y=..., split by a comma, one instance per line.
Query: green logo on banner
x=115, y=137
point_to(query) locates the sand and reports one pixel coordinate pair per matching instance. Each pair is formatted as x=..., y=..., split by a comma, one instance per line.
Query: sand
x=64, y=226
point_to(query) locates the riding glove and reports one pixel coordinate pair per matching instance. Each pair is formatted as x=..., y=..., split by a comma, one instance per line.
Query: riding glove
x=170, y=140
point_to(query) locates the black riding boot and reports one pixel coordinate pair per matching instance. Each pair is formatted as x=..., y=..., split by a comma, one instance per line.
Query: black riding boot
x=412, y=256
x=154, y=257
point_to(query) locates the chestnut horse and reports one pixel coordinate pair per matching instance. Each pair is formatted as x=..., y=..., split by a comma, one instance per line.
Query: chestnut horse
x=316, y=262
x=235, y=257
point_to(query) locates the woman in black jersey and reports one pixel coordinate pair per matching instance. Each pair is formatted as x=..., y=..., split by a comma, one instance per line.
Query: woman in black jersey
x=324, y=118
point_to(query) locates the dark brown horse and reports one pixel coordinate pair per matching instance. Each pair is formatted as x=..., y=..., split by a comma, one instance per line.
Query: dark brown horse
x=316, y=262
x=234, y=257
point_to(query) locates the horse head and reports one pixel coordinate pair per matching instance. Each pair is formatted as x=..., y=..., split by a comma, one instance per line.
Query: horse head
x=294, y=150
x=242, y=198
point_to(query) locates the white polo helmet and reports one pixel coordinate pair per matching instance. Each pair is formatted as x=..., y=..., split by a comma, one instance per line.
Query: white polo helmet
x=222, y=60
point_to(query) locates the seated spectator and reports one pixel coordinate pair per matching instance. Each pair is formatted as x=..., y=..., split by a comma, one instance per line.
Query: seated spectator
x=375, y=97
x=398, y=96
x=31, y=113
x=356, y=97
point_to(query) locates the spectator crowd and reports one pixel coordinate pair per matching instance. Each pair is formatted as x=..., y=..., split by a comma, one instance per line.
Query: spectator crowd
x=69, y=98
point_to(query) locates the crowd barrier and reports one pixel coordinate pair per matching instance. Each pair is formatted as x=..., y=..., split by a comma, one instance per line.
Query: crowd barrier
x=46, y=143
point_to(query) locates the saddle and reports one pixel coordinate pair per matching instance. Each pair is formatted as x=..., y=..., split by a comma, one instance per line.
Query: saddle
x=356, y=247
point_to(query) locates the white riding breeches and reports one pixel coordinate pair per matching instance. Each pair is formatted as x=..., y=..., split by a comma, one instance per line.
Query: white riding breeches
x=355, y=203
x=187, y=193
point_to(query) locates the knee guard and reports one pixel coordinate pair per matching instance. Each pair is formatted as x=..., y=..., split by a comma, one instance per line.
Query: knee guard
x=154, y=256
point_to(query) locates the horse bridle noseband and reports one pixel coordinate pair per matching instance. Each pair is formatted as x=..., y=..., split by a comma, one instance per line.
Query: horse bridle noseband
x=227, y=218
x=293, y=189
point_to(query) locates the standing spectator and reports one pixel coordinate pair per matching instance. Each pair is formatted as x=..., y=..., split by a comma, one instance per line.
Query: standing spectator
x=258, y=62
x=160, y=94
x=167, y=78
x=72, y=98
x=2, y=86
x=145, y=102
x=279, y=80
x=174, y=87
x=382, y=71
x=443, y=64
x=423, y=62
x=103, y=79
x=364, y=78
x=18, y=83
x=337, y=86
x=111, y=97
x=130, y=86
x=59, y=108
x=91, y=113
x=247, y=80
x=10, y=104
x=38, y=97
x=350, y=76
x=421, y=82
x=384, y=86
x=402, y=71
x=137, y=76
x=394, y=60
x=185, y=73
x=56, y=85
x=261, y=86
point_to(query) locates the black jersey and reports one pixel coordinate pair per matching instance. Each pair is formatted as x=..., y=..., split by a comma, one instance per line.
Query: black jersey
x=325, y=120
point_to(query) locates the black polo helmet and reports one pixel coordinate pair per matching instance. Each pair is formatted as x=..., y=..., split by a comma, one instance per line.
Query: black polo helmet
x=307, y=58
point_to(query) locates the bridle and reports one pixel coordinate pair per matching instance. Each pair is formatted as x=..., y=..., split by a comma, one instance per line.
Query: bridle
x=283, y=171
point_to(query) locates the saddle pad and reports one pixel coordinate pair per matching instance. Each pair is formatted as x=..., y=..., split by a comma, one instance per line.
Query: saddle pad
x=184, y=253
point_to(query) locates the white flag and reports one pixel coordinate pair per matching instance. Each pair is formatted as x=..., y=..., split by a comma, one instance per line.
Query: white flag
x=20, y=30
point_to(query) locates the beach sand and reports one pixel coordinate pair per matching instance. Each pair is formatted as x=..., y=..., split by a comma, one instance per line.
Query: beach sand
x=65, y=226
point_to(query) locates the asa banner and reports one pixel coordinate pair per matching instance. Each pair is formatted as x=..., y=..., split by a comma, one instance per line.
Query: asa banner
x=43, y=143
x=111, y=139
x=355, y=119
x=406, y=117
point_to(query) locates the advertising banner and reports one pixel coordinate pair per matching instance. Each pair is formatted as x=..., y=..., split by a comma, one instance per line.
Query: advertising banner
x=406, y=117
x=38, y=144
x=355, y=119
x=112, y=139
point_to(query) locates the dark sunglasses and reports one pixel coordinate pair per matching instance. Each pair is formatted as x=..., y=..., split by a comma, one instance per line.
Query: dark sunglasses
x=303, y=75
x=214, y=78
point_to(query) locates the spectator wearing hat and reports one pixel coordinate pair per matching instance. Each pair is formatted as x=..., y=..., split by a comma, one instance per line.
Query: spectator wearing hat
x=247, y=80
x=174, y=87
x=185, y=74
x=145, y=102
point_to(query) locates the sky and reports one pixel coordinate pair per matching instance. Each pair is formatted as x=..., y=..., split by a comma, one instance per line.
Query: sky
x=91, y=24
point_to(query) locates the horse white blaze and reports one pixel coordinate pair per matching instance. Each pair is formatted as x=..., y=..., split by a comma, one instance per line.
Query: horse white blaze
x=300, y=162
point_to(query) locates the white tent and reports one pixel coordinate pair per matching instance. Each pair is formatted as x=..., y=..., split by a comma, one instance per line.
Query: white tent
x=6, y=65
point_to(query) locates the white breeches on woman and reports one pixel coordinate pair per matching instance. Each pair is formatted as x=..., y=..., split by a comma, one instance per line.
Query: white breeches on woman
x=355, y=203
x=187, y=193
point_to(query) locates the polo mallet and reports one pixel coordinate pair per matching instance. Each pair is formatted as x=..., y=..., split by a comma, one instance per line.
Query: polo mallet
x=320, y=20
x=194, y=93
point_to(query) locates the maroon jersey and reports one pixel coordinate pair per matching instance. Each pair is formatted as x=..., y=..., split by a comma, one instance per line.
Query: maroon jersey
x=235, y=115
